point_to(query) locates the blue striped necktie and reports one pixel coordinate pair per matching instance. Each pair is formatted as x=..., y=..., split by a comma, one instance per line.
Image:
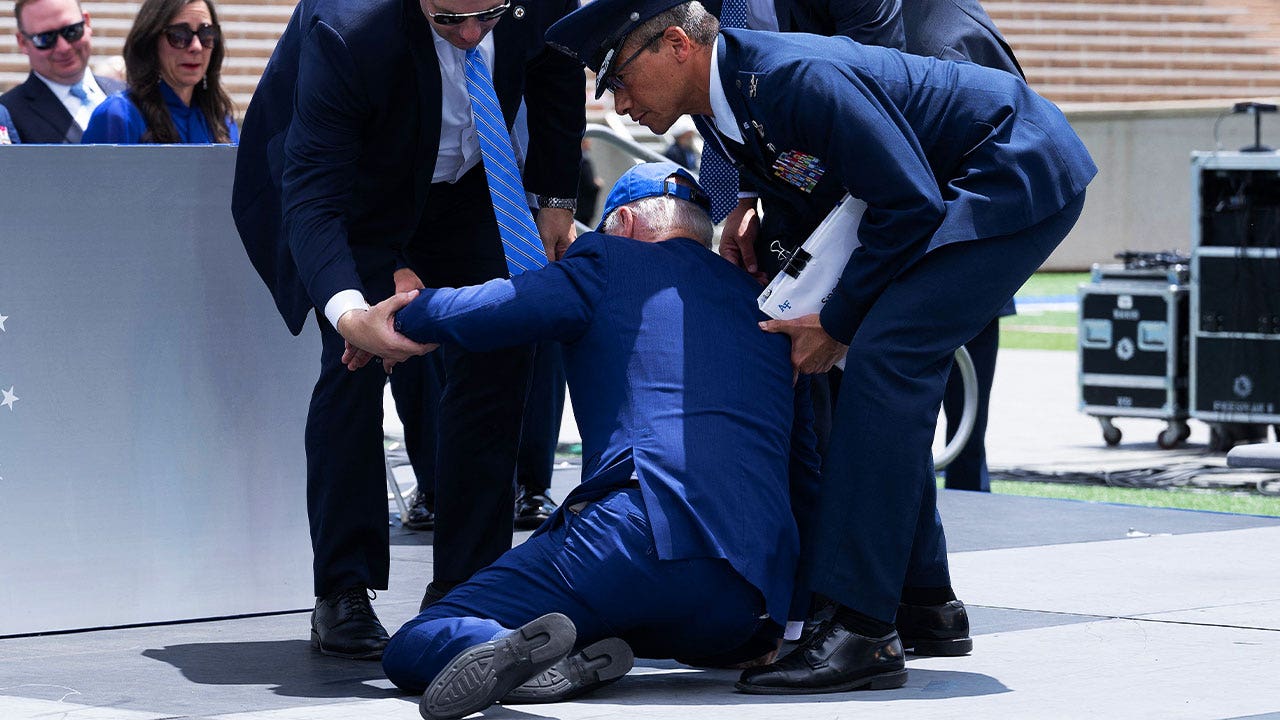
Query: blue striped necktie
x=716, y=173
x=520, y=242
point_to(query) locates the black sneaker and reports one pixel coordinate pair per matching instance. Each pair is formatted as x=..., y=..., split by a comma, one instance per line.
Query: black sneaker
x=594, y=666
x=344, y=625
x=482, y=674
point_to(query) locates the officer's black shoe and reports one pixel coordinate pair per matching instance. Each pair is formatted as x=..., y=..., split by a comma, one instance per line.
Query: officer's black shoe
x=420, y=515
x=433, y=593
x=482, y=674
x=532, y=509
x=834, y=660
x=344, y=625
x=592, y=667
x=935, y=629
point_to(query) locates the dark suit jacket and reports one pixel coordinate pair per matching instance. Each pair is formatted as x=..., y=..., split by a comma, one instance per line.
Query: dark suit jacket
x=645, y=328
x=874, y=22
x=956, y=30
x=41, y=117
x=339, y=142
x=940, y=151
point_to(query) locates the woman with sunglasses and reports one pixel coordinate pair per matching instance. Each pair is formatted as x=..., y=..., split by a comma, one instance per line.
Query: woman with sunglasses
x=173, y=60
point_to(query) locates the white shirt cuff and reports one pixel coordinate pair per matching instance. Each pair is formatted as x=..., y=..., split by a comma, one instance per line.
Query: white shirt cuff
x=794, y=628
x=342, y=302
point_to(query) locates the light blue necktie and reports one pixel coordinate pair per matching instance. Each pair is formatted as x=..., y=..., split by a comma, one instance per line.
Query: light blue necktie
x=519, y=235
x=716, y=173
x=78, y=91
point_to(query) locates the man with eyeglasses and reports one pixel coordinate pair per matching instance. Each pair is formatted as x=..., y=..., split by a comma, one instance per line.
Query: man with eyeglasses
x=970, y=179
x=55, y=102
x=363, y=153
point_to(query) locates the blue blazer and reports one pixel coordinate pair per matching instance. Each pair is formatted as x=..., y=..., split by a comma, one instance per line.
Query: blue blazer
x=118, y=121
x=645, y=329
x=941, y=152
x=339, y=143
x=7, y=123
x=41, y=117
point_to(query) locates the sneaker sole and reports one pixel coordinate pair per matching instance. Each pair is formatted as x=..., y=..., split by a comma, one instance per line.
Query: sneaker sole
x=592, y=667
x=882, y=681
x=480, y=675
x=954, y=647
x=366, y=655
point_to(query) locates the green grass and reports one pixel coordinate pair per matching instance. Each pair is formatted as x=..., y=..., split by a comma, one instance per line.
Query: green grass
x=1053, y=283
x=1182, y=498
x=1043, y=330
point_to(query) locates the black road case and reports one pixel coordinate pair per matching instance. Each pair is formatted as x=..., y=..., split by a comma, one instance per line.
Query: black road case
x=1133, y=348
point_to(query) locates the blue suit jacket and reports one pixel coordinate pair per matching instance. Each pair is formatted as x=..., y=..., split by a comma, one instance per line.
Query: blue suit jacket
x=942, y=152
x=7, y=123
x=339, y=143
x=41, y=117
x=645, y=329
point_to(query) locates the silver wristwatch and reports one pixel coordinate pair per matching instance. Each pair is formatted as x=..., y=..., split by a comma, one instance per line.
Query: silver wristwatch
x=546, y=201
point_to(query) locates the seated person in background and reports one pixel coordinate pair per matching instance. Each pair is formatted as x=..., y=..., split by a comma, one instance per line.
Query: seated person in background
x=8, y=133
x=681, y=150
x=680, y=541
x=53, y=104
x=173, y=60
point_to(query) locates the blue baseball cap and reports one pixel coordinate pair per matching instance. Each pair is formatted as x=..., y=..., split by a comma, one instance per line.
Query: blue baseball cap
x=594, y=33
x=653, y=179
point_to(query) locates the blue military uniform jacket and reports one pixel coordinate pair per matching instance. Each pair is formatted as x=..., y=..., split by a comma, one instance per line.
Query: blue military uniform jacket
x=348, y=166
x=942, y=152
x=645, y=328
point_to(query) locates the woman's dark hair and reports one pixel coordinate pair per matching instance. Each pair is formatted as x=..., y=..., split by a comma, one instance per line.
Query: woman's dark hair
x=142, y=71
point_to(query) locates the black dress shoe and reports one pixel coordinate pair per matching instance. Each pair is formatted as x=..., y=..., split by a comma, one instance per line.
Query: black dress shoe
x=935, y=629
x=834, y=660
x=482, y=674
x=532, y=509
x=433, y=593
x=592, y=667
x=420, y=515
x=344, y=625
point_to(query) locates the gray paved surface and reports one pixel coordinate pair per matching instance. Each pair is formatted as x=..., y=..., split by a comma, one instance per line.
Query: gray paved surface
x=1079, y=610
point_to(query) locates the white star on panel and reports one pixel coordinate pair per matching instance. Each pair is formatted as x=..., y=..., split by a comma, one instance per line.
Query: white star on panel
x=9, y=398
x=2, y=319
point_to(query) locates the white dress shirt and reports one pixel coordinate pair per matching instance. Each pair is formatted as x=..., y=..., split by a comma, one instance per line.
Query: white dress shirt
x=762, y=15
x=459, y=149
x=80, y=110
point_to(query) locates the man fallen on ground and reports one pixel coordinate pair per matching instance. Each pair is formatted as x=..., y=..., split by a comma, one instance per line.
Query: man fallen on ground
x=680, y=541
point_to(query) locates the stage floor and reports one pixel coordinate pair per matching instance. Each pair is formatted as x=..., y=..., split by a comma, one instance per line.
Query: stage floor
x=1078, y=610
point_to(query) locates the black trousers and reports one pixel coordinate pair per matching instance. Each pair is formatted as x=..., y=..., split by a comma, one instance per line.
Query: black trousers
x=479, y=415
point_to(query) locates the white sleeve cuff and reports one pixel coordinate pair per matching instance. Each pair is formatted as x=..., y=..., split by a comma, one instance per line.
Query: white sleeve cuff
x=342, y=302
x=794, y=628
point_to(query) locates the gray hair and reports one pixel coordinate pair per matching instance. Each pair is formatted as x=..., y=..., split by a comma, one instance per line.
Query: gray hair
x=699, y=24
x=666, y=217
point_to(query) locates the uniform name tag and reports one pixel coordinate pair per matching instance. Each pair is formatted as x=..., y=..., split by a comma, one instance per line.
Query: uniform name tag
x=799, y=169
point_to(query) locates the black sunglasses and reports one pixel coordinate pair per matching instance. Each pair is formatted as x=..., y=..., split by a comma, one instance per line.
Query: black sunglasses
x=179, y=36
x=612, y=82
x=46, y=40
x=492, y=13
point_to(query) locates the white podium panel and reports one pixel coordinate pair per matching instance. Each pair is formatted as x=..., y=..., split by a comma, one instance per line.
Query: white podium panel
x=151, y=451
